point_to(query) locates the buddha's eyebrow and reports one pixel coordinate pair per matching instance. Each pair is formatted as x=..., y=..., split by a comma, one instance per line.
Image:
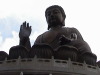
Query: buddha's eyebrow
x=56, y=10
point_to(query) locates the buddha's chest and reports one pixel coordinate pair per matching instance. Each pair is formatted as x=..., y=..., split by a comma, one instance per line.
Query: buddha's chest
x=54, y=36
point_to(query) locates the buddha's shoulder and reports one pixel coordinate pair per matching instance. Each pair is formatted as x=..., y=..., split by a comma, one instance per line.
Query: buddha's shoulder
x=43, y=34
x=69, y=29
x=65, y=29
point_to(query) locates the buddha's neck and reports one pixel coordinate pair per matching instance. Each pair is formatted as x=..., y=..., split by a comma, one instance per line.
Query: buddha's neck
x=56, y=27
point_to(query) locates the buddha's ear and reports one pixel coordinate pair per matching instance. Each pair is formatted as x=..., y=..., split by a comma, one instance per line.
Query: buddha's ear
x=63, y=23
x=49, y=26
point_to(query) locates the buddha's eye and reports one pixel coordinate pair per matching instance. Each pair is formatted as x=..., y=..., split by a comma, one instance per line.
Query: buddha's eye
x=56, y=12
x=48, y=14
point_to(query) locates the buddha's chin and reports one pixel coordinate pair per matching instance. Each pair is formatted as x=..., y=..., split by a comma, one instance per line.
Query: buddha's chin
x=54, y=25
x=53, y=22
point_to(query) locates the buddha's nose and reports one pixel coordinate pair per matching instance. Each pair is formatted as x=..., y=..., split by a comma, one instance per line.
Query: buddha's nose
x=51, y=14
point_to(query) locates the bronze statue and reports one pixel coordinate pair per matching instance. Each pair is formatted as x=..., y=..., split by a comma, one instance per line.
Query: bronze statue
x=58, y=35
x=66, y=42
x=25, y=31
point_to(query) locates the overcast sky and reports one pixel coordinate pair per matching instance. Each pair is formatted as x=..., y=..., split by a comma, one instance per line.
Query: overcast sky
x=81, y=14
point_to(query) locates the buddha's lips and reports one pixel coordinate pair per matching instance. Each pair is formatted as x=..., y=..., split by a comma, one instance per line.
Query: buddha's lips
x=52, y=19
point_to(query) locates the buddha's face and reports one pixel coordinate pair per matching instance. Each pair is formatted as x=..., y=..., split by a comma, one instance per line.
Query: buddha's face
x=54, y=17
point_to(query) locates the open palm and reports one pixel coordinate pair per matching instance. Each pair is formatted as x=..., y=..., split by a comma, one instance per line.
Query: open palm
x=25, y=30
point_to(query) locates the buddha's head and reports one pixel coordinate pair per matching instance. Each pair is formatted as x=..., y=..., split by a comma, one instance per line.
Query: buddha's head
x=55, y=16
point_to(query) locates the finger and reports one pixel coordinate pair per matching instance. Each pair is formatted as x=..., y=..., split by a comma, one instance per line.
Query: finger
x=63, y=36
x=60, y=43
x=27, y=25
x=30, y=28
x=21, y=27
x=60, y=38
x=24, y=24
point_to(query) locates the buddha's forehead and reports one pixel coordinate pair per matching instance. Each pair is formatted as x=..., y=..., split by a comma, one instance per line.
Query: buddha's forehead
x=53, y=9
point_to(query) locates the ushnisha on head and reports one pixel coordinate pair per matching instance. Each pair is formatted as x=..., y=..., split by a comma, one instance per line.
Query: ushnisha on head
x=52, y=9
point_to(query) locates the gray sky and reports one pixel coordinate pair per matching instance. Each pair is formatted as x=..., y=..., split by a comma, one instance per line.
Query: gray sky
x=81, y=14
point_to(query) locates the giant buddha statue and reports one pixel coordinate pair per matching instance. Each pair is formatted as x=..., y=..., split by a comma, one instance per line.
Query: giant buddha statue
x=59, y=41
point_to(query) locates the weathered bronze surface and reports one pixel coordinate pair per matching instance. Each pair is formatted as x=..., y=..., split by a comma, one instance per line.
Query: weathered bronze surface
x=60, y=50
x=59, y=41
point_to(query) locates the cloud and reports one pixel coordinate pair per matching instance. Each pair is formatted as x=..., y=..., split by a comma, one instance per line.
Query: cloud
x=9, y=29
x=1, y=38
x=9, y=24
x=9, y=42
x=6, y=44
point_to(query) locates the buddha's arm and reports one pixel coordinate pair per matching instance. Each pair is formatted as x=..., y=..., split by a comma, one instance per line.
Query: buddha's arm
x=25, y=42
x=24, y=33
x=79, y=36
x=80, y=43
